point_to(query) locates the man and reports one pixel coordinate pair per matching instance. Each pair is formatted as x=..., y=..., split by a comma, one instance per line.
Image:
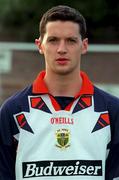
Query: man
x=62, y=126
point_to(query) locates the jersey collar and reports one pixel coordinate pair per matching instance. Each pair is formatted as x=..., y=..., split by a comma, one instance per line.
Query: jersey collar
x=39, y=86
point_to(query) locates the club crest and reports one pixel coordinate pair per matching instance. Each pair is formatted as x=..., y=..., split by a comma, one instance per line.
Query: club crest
x=63, y=138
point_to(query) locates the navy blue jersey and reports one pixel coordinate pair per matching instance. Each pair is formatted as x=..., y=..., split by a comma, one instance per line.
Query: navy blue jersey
x=46, y=137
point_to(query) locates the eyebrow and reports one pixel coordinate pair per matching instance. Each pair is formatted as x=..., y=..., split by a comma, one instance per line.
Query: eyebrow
x=69, y=37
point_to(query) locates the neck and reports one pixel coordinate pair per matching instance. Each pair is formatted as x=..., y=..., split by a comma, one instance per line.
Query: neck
x=63, y=85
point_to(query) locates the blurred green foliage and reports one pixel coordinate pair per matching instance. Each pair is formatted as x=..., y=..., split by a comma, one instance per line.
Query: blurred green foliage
x=19, y=19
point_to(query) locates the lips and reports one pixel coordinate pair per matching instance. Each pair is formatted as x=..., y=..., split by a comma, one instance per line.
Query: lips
x=62, y=61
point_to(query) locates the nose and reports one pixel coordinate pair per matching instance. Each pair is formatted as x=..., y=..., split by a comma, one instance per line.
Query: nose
x=62, y=48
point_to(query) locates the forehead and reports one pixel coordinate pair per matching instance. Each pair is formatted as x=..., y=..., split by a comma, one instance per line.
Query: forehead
x=66, y=28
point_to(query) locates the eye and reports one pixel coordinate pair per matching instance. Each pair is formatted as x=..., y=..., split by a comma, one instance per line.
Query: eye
x=72, y=40
x=53, y=40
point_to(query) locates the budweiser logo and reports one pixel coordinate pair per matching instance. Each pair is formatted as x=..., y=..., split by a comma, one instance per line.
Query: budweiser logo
x=62, y=168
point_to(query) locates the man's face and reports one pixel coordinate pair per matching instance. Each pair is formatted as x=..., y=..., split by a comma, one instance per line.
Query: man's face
x=62, y=47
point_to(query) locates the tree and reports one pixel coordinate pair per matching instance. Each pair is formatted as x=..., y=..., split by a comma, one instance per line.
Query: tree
x=20, y=18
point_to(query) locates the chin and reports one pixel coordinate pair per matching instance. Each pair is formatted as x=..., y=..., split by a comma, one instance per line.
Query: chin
x=63, y=72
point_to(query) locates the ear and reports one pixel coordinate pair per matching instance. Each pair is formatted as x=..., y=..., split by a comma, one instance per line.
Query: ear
x=38, y=44
x=84, y=46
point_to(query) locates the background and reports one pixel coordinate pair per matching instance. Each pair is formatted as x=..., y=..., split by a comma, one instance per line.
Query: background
x=20, y=61
x=19, y=19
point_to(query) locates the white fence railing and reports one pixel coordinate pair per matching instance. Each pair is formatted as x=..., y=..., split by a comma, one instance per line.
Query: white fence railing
x=32, y=47
x=6, y=49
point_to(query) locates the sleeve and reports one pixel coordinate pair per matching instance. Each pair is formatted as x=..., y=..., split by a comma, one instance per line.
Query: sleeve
x=7, y=145
x=112, y=164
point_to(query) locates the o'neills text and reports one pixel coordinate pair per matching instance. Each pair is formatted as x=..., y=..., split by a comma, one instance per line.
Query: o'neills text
x=61, y=120
x=62, y=168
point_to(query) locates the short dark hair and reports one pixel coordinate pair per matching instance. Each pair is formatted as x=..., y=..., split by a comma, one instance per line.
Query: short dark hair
x=63, y=13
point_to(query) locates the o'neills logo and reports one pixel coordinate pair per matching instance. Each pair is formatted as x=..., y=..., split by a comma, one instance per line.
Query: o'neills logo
x=62, y=120
x=62, y=168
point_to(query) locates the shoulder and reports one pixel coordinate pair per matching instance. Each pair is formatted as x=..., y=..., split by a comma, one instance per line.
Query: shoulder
x=14, y=102
x=106, y=100
x=105, y=95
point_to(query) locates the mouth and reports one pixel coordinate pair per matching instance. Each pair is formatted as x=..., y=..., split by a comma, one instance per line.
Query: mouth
x=62, y=61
